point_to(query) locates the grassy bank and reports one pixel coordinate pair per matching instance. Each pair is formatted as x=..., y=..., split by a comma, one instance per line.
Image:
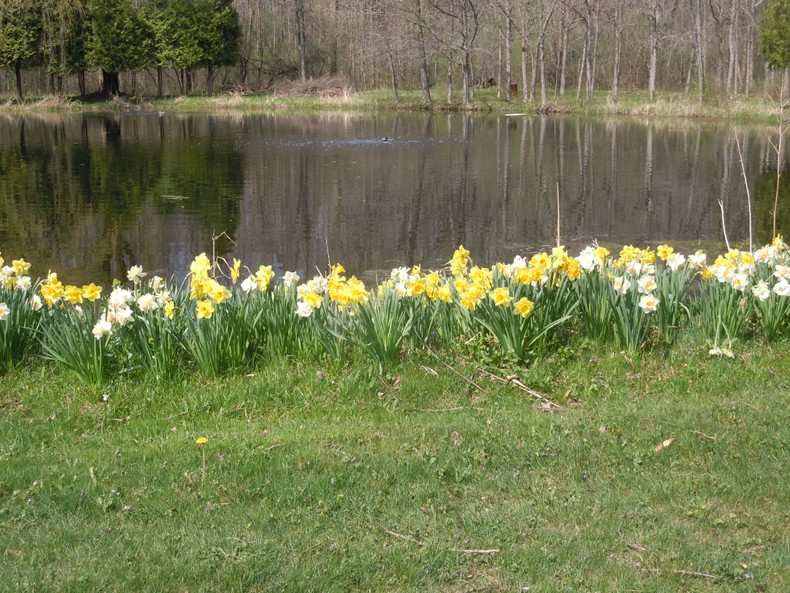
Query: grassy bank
x=630, y=103
x=658, y=473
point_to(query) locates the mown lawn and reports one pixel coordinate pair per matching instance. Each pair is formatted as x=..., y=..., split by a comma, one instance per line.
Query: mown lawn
x=661, y=472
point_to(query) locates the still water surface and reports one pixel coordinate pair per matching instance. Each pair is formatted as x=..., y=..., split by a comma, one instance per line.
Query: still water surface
x=90, y=195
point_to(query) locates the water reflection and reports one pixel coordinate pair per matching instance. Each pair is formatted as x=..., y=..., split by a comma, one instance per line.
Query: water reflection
x=90, y=195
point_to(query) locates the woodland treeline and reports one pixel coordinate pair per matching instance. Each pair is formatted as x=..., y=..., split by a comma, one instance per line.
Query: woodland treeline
x=530, y=49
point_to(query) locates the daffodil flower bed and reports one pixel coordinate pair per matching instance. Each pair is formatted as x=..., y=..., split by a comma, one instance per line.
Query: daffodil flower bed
x=216, y=320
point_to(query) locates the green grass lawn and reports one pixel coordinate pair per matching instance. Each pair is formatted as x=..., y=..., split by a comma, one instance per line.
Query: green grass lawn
x=321, y=476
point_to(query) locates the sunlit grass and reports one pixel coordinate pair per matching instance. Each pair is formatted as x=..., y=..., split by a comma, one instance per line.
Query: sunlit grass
x=667, y=104
x=321, y=476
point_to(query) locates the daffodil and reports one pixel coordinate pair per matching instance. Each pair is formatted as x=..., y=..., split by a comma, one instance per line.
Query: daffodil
x=648, y=303
x=5, y=311
x=523, y=307
x=147, y=303
x=72, y=294
x=664, y=251
x=235, y=270
x=136, y=274
x=21, y=267
x=204, y=309
x=501, y=296
x=200, y=265
x=102, y=328
x=91, y=292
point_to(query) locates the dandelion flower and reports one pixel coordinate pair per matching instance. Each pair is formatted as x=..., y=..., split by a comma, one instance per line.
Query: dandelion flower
x=202, y=441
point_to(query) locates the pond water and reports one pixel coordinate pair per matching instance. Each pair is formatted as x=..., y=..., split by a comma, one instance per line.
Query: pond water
x=89, y=195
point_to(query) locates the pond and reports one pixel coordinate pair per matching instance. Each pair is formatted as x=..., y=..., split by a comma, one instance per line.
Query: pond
x=89, y=195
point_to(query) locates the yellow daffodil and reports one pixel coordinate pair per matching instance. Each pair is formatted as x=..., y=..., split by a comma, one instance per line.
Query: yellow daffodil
x=664, y=251
x=235, y=270
x=72, y=294
x=201, y=265
x=501, y=296
x=21, y=267
x=523, y=307
x=204, y=309
x=91, y=292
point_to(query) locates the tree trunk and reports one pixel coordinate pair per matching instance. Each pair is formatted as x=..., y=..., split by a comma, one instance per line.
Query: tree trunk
x=110, y=84
x=159, y=81
x=508, y=45
x=700, y=49
x=581, y=73
x=301, y=39
x=500, y=63
x=618, y=45
x=335, y=43
x=524, y=90
x=651, y=87
x=424, y=78
x=450, y=78
x=588, y=62
x=466, y=74
x=563, y=53
x=751, y=44
x=393, y=75
x=210, y=80
x=18, y=73
x=732, y=43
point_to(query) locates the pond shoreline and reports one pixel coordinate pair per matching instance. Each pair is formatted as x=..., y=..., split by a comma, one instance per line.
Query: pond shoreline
x=631, y=104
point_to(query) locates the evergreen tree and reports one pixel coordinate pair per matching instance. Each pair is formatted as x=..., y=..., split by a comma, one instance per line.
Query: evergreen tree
x=119, y=39
x=775, y=32
x=20, y=35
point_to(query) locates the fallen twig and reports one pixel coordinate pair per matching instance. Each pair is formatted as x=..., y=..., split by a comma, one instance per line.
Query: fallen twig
x=275, y=446
x=702, y=434
x=744, y=403
x=688, y=573
x=436, y=356
x=442, y=409
x=407, y=538
x=184, y=413
x=515, y=381
x=490, y=552
x=636, y=547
